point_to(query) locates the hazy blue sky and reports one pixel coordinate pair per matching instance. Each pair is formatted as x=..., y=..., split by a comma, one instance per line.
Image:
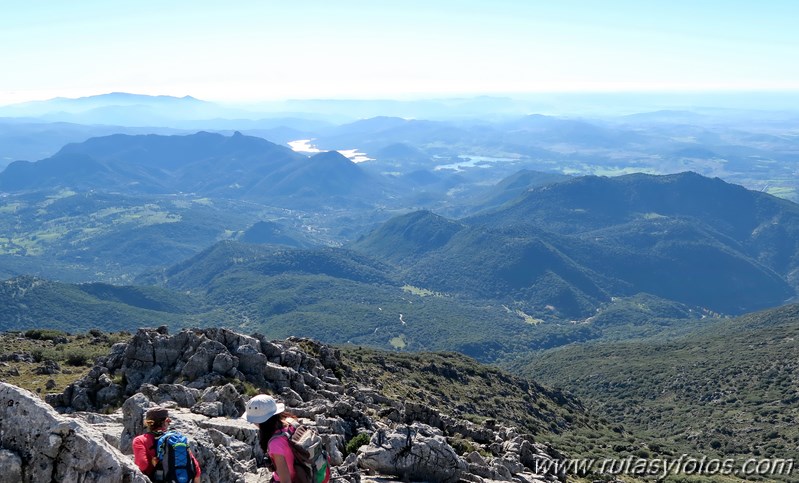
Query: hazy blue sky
x=262, y=50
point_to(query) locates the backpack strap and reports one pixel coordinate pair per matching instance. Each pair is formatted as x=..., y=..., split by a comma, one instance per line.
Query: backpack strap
x=282, y=434
x=154, y=435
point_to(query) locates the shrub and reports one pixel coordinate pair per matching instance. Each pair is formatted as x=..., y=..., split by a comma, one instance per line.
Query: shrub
x=356, y=442
x=77, y=358
x=44, y=334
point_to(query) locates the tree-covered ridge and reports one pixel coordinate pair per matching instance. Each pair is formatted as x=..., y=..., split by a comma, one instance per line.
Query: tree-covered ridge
x=569, y=247
x=27, y=302
x=727, y=389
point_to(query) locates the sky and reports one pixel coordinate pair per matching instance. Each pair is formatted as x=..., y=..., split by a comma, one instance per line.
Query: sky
x=244, y=50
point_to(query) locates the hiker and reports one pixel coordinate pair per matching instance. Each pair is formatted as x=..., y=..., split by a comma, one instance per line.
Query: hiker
x=156, y=422
x=273, y=420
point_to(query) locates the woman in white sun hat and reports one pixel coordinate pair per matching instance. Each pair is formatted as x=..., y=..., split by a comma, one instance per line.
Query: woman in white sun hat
x=274, y=422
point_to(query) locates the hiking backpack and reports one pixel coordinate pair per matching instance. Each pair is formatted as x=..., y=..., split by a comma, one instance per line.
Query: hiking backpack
x=172, y=450
x=311, y=463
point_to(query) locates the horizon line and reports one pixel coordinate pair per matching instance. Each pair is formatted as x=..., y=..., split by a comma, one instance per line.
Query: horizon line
x=433, y=96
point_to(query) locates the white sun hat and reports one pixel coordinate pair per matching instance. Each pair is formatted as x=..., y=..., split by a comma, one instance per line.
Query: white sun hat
x=262, y=407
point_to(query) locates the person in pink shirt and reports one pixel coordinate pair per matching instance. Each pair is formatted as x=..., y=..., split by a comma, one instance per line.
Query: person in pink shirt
x=274, y=422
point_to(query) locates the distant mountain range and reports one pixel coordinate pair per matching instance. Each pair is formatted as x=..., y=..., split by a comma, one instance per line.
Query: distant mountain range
x=238, y=167
x=117, y=108
x=605, y=252
x=269, y=234
x=567, y=247
x=542, y=242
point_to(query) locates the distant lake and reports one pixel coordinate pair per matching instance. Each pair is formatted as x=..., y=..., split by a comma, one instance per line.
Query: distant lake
x=305, y=146
x=474, y=162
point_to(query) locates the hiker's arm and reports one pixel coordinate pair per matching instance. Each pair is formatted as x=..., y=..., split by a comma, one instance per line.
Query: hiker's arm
x=140, y=455
x=281, y=468
x=197, y=469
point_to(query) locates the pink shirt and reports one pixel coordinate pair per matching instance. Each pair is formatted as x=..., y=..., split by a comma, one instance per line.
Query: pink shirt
x=280, y=445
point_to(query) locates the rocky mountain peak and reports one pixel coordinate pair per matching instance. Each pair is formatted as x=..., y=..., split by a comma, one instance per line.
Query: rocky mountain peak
x=205, y=377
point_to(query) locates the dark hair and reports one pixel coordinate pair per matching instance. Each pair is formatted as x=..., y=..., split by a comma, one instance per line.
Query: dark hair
x=268, y=428
x=156, y=424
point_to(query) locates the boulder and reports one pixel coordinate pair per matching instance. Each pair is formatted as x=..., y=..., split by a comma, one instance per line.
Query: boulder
x=49, y=367
x=11, y=463
x=181, y=395
x=224, y=400
x=133, y=411
x=225, y=364
x=50, y=447
x=417, y=451
x=202, y=361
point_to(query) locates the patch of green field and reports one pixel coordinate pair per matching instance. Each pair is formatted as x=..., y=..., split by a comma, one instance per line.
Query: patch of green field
x=786, y=192
x=105, y=212
x=90, y=230
x=618, y=171
x=181, y=204
x=148, y=215
x=398, y=342
x=65, y=193
x=528, y=319
x=48, y=236
x=422, y=292
x=10, y=208
x=26, y=245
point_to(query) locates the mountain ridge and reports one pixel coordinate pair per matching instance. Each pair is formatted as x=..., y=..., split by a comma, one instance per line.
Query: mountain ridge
x=629, y=230
x=236, y=166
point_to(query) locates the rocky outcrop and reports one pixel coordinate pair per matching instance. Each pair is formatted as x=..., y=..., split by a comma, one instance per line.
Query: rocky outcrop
x=202, y=375
x=38, y=444
x=413, y=452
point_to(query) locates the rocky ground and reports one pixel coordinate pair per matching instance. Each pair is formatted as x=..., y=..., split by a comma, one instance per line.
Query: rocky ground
x=205, y=377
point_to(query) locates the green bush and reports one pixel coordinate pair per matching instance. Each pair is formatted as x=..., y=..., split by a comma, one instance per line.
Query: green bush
x=356, y=442
x=44, y=334
x=77, y=357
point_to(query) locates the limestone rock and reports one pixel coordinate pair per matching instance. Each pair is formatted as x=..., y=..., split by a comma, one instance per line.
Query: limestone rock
x=181, y=395
x=415, y=452
x=199, y=374
x=12, y=467
x=52, y=447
